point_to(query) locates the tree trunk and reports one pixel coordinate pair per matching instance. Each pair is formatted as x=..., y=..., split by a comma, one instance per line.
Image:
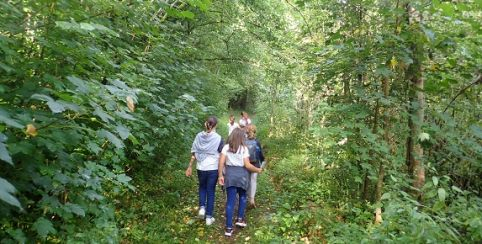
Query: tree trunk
x=415, y=71
x=381, y=167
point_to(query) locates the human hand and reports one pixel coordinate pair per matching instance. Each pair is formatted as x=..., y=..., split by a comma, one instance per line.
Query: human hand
x=189, y=171
x=221, y=180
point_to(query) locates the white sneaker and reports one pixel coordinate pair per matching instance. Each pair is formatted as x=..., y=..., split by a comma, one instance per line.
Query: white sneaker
x=209, y=220
x=202, y=213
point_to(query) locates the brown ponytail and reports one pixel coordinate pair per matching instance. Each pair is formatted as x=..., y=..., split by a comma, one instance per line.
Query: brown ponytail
x=211, y=123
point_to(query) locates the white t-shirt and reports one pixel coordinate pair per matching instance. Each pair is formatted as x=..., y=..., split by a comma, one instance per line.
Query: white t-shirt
x=231, y=127
x=244, y=122
x=235, y=159
x=210, y=163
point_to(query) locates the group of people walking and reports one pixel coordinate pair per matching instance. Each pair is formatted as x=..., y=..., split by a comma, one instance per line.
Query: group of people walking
x=234, y=165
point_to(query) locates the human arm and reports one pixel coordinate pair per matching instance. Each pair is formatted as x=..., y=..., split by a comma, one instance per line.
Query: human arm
x=261, y=155
x=251, y=167
x=222, y=161
x=189, y=167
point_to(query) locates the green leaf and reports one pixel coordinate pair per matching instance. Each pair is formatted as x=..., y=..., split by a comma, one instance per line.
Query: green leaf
x=188, y=97
x=18, y=235
x=43, y=227
x=4, y=155
x=447, y=9
x=123, y=178
x=87, y=26
x=103, y=115
x=54, y=106
x=441, y=194
x=122, y=131
x=435, y=180
x=7, y=68
x=111, y=137
x=75, y=208
x=6, y=190
x=5, y=118
x=79, y=83
x=457, y=189
x=385, y=196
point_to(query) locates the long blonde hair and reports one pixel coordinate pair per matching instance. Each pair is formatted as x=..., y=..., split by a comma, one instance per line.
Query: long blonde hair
x=251, y=131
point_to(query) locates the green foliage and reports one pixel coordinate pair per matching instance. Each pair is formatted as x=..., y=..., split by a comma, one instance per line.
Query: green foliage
x=100, y=100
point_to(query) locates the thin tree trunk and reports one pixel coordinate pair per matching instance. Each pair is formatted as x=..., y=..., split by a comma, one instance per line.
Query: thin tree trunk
x=415, y=71
x=381, y=167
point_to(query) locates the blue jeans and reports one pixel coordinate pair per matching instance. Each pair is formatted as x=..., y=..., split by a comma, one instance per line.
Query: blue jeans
x=207, y=189
x=231, y=202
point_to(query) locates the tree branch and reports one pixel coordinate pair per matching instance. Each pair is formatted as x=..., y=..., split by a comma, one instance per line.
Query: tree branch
x=302, y=16
x=478, y=79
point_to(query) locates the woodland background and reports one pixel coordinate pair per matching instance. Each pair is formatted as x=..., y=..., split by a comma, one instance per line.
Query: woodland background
x=369, y=112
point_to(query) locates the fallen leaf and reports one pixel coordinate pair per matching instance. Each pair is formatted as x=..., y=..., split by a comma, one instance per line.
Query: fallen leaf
x=130, y=103
x=31, y=130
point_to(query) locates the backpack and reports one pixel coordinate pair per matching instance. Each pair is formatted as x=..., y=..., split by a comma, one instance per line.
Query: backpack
x=253, y=150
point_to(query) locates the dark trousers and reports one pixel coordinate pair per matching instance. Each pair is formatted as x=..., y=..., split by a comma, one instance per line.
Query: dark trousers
x=231, y=193
x=207, y=189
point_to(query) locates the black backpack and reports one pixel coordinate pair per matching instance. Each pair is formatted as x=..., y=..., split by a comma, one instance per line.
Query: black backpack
x=253, y=150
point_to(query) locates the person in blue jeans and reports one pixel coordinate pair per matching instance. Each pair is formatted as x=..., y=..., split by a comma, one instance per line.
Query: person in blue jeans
x=206, y=150
x=234, y=161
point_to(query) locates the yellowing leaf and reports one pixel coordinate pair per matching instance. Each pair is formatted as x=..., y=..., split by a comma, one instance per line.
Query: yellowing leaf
x=393, y=63
x=130, y=103
x=31, y=130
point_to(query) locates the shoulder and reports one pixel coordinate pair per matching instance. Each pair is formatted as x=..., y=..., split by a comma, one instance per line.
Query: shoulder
x=225, y=148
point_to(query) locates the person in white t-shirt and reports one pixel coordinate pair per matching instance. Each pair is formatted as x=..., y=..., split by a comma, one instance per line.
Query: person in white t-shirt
x=206, y=150
x=235, y=159
x=245, y=120
x=232, y=124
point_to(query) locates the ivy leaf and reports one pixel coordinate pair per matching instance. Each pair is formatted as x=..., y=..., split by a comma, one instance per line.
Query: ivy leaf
x=44, y=227
x=6, y=190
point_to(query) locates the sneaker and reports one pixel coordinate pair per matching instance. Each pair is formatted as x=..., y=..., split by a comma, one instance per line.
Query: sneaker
x=202, y=212
x=209, y=220
x=240, y=223
x=228, y=232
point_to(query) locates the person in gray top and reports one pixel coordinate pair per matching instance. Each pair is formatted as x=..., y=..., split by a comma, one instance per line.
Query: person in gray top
x=235, y=160
x=205, y=150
